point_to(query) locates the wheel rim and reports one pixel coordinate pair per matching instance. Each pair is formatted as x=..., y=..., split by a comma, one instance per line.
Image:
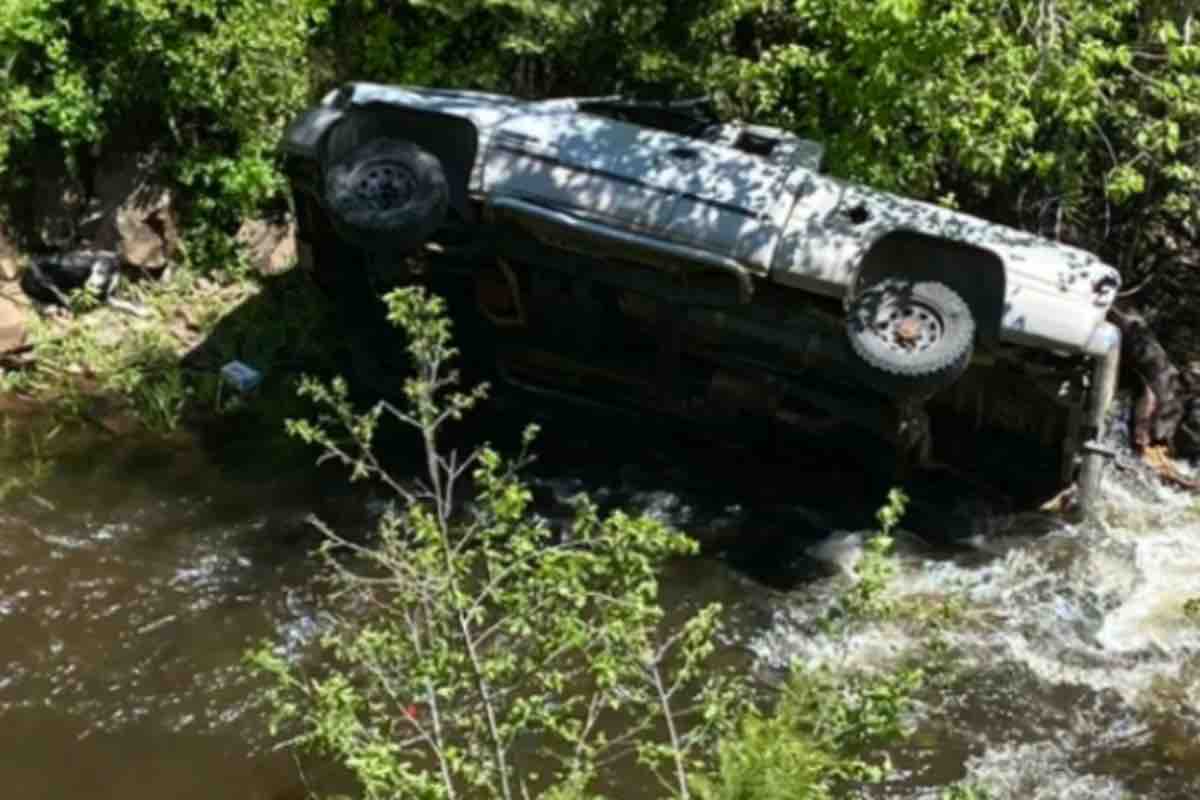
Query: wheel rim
x=381, y=186
x=909, y=327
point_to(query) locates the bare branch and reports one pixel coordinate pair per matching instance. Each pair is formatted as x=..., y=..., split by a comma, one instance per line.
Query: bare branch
x=676, y=746
x=435, y=716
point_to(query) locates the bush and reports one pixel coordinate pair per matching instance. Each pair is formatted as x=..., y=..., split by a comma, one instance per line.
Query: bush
x=814, y=738
x=216, y=79
x=528, y=47
x=473, y=642
x=1191, y=609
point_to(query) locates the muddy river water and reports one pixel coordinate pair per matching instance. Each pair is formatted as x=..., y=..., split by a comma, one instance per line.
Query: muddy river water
x=135, y=576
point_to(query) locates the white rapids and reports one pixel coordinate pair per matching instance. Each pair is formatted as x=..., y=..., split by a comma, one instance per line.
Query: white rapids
x=1074, y=646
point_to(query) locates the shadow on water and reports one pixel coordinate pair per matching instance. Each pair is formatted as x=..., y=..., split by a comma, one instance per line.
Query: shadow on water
x=756, y=500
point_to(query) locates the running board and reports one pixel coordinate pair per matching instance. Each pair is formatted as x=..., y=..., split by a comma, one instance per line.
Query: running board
x=567, y=231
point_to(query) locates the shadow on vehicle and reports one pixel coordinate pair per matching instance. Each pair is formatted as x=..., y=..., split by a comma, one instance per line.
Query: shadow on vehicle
x=757, y=491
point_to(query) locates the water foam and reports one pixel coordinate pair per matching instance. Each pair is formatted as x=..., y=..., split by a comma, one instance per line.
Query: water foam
x=1096, y=608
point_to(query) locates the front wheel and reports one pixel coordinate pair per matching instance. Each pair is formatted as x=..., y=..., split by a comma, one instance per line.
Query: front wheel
x=915, y=337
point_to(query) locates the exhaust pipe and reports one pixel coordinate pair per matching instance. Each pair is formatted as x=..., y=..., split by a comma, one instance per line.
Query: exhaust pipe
x=1103, y=388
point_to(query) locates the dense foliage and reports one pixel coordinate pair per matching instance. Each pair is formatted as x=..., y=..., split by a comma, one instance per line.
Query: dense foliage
x=214, y=80
x=1078, y=118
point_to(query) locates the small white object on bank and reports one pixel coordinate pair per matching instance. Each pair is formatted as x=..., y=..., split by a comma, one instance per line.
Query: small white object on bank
x=241, y=376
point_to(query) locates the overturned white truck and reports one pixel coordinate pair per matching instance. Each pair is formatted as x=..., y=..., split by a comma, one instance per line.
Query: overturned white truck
x=646, y=254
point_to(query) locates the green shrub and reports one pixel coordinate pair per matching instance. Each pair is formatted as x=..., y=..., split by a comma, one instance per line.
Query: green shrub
x=474, y=648
x=527, y=47
x=1191, y=609
x=815, y=738
x=866, y=596
x=481, y=642
x=214, y=79
x=965, y=791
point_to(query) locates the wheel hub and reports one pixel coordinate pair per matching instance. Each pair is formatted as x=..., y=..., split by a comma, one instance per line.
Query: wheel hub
x=383, y=186
x=909, y=330
x=912, y=327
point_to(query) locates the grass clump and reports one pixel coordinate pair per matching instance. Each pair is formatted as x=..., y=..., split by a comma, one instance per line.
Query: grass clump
x=151, y=363
x=816, y=739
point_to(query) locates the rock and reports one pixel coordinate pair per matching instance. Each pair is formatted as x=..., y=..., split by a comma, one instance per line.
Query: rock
x=10, y=259
x=135, y=215
x=14, y=319
x=147, y=234
x=270, y=245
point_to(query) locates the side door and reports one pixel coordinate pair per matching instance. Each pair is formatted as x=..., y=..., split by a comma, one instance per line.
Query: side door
x=731, y=202
x=600, y=169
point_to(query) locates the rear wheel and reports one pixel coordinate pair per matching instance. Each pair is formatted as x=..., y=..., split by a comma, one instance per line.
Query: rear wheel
x=916, y=337
x=386, y=195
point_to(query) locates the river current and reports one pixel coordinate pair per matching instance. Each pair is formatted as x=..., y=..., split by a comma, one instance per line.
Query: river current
x=135, y=576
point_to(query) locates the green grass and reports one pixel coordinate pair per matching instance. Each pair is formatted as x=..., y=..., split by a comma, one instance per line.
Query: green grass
x=107, y=367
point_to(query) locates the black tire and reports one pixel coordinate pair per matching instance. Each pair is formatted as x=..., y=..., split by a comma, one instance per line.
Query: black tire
x=386, y=195
x=916, y=337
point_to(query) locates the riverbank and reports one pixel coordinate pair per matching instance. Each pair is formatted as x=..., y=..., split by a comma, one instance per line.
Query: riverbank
x=148, y=367
x=153, y=355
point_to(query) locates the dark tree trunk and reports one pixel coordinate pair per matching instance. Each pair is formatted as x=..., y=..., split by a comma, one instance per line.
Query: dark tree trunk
x=1160, y=404
x=1163, y=403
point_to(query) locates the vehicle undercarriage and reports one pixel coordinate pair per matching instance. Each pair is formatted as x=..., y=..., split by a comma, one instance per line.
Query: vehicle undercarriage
x=686, y=345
